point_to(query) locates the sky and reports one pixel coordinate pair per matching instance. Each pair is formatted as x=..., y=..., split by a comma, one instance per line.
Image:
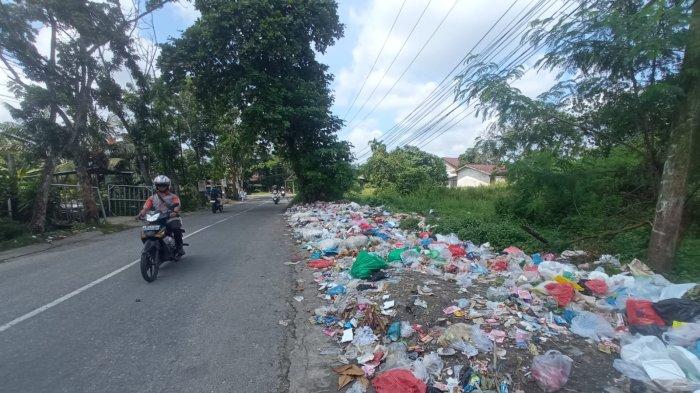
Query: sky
x=391, y=90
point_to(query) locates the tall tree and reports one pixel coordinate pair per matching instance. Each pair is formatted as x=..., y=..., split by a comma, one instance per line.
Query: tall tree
x=59, y=89
x=668, y=218
x=258, y=56
x=619, y=64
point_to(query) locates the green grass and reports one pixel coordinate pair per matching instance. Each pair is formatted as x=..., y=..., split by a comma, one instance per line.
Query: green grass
x=473, y=214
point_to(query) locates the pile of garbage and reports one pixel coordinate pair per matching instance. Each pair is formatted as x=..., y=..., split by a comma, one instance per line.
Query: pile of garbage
x=416, y=311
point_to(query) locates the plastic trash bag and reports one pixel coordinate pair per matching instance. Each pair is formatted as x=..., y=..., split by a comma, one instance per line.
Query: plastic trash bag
x=396, y=357
x=597, y=286
x=433, y=364
x=630, y=370
x=551, y=370
x=365, y=264
x=457, y=251
x=394, y=331
x=590, y=325
x=637, y=349
x=364, y=336
x=395, y=255
x=406, y=329
x=481, y=340
x=675, y=291
x=354, y=242
x=327, y=244
x=398, y=380
x=336, y=290
x=466, y=348
x=410, y=256
x=551, y=269
x=677, y=310
x=686, y=360
x=455, y=332
x=562, y=293
x=496, y=294
x=321, y=263
x=641, y=312
x=419, y=371
x=449, y=239
x=685, y=335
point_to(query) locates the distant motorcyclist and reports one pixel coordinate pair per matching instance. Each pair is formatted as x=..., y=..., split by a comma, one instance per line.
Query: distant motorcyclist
x=166, y=202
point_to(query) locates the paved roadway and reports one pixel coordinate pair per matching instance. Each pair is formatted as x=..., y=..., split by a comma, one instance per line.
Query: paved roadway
x=210, y=323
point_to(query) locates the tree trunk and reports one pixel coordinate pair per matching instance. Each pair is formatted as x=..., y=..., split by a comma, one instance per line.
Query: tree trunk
x=12, y=186
x=666, y=233
x=92, y=214
x=41, y=200
x=143, y=166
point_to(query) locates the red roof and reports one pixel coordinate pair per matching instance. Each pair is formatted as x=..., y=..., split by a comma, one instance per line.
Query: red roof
x=488, y=169
x=451, y=161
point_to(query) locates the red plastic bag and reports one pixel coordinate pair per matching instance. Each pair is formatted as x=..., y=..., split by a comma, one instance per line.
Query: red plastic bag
x=457, y=250
x=563, y=293
x=499, y=265
x=321, y=263
x=398, y=380
x=641, y=312
x=597, y=286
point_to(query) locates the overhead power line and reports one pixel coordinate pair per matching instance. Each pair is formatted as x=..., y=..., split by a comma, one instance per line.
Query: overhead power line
x=376, y=59
x=411, y=62
x=429, y=135
x=440, y=86
x=410, y=33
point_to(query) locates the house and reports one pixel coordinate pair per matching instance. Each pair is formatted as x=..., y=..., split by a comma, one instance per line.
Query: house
x=472, y=175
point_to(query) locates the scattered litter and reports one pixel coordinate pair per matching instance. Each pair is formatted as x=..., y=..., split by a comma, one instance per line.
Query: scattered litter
x=491, y=313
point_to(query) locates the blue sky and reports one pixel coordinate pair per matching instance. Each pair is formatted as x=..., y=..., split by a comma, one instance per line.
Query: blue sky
x=367, y=25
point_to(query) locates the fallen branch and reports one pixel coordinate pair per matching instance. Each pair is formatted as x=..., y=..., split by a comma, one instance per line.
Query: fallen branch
x=613, y=232
x=534, y=233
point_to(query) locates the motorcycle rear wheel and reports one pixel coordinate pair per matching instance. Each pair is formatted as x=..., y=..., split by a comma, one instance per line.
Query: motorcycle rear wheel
x=149, y=266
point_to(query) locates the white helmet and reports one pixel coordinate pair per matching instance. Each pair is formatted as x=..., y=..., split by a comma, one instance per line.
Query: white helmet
x=161, y=180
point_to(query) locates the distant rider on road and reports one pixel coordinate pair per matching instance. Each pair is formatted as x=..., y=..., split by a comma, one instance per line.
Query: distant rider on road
x=166, y=202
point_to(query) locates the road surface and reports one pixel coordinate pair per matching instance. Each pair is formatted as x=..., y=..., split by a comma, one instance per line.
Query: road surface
x=76, y=319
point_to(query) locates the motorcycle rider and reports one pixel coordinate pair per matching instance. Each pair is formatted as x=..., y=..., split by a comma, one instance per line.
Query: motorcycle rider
x=165, y=201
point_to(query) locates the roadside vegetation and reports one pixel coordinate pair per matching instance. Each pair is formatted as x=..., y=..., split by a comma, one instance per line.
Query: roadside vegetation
x=606, y=160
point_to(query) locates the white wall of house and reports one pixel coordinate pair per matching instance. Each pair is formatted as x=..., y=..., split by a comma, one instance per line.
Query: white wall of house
x=468, y=177
x=451, y=176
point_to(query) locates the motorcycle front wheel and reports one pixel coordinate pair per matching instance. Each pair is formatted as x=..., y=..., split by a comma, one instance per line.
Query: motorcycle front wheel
x=149, y=265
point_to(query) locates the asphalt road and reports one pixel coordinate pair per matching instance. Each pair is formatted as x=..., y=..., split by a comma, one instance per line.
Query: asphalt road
x=210, y=323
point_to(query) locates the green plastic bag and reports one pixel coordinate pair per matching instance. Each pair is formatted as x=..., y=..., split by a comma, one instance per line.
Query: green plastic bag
x=365, y=264
x=395, y=255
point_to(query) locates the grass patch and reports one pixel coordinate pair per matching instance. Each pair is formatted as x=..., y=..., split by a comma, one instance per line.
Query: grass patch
x=477, y=214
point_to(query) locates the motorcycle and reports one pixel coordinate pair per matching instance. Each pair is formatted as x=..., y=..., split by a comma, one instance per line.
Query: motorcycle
x=158, y=244
x=276, y=198
x=216, y=205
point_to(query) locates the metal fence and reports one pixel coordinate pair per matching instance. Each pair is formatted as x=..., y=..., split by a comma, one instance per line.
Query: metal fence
x=125, y=200
x=69, y=207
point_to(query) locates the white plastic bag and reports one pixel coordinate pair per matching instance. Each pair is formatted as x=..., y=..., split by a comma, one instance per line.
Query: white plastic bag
x=637, y=349
x=685, y=335
x=590, y=325
x=551, y=269
x=449, y=239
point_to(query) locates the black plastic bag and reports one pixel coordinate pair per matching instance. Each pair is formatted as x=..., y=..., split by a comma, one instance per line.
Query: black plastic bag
x=677, y=310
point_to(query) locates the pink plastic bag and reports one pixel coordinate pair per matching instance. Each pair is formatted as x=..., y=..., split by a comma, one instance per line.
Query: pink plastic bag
x=597, y=286
x=551, y=370
x=398, y=380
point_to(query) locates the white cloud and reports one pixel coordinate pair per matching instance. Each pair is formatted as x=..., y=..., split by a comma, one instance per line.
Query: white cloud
x=359, y=137
x=462, y=29
x=186, y=10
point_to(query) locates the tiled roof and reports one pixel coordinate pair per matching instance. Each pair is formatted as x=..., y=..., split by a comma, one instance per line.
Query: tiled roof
x=488, y=169
x=451, y=161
